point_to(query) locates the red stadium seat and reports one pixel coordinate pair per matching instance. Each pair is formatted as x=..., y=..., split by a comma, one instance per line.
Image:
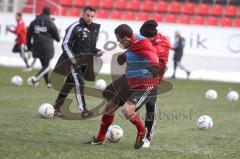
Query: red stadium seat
x=226, y=22
x=156, y=16
x=107, y=4
x=74, y=12
x=128, y=15
x=115, y=14
x=203, y=9
x=237, y=22
x=94, y=3
x=102, y=13
x=133, y=5
x=175, y=7
x=212, y=21
x=162, y=6
x=199, y=20
x=185, y=19
x=79, y=3
x=189, y=8
x=217, y=9
x=60, y=11
x=121, y=4
x=66, y=2
x=231, y=11
x=148, y=5
x=171, y=18
x=142, y=16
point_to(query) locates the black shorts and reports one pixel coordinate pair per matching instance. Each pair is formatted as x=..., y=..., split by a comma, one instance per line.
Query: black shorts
x=19, y=48
x=119, y=92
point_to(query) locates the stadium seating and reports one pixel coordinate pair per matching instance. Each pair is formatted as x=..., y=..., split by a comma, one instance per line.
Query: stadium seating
x=175, y=7
x=170, y=18
x=121, y=4
x=189, y=8
x=201, y=12
x=66, y=2
x=230, y=10
x=142, y=16
x=226, y=22
x=199, y=20
x=101, y=13
x=74, y=12
x=133, y=5
x=148, y=5
x=212, y=21
x=162, y=6
x=185, y=19
x=203, y=9
x=79, y=3
x=128, y=15
x=217, y=10
x=107, y=4
x=93, y=3
x=237, y=22
x=156, y=16
x=115, y=14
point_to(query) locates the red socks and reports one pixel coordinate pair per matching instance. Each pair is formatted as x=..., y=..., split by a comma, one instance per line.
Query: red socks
x=138, y=123
x=106, y=121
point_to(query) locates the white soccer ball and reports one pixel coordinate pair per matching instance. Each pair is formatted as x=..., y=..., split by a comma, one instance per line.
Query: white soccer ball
x=29, y=81
x=211, y=94
x=204, y=122
x=114, y=133
x=17, y=80
x=46, y=110
x=101, y=84
x=232, y=96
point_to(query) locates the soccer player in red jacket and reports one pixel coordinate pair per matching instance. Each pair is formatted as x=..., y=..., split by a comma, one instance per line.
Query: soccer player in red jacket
x=132, y=90
x=21, y=33
x=162, y=46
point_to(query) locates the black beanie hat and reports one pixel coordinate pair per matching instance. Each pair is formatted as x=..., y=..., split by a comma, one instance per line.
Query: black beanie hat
x=149, y=29
x=46, y=11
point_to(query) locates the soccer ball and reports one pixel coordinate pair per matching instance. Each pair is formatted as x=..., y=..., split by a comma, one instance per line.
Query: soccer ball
x=204, y=122
x=211, y=94
x=114, y=133
x=101, y=84
x=232, y=96
x=29, y=82
x=46, y=110
x=17, y=80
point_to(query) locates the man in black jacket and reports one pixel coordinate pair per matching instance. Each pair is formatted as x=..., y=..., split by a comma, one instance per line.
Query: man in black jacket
x=76, y=61
x=41, y=33
x=178, y=47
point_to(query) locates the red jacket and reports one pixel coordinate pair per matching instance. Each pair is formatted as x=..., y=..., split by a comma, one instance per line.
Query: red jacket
x=162, y=46
x=144, y=48
x=21, y=32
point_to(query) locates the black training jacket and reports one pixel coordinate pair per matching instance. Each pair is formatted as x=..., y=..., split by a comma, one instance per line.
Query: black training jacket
x=41, y=33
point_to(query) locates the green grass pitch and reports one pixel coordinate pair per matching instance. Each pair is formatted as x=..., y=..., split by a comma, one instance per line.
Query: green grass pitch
x=24, y=135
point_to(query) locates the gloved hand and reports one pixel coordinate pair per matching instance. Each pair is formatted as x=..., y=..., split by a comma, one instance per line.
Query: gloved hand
x=121, y=59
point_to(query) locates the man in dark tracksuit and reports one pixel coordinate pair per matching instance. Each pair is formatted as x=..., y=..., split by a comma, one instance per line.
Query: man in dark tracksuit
x=41, y=33
x=178, y=46
x=79, y=44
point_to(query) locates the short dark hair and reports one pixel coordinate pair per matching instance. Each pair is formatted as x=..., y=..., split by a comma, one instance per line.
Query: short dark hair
x=124, y=30
x=46, y=10
x=89, y=8
x=19, y=14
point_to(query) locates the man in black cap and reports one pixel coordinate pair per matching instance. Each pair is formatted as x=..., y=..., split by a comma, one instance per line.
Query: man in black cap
x=162, y=46
x=40, y=35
